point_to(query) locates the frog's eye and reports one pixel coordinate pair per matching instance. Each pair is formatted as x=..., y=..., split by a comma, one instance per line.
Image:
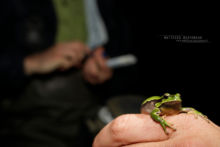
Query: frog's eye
x=177, y=95
x=166, y=95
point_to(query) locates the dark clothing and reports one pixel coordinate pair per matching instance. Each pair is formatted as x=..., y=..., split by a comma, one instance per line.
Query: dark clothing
x=26, y=27
x=39, y=110
x=51, y=112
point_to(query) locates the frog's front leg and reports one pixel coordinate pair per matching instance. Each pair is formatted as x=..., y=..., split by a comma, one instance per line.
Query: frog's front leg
x=155, y=114
x=194, y=111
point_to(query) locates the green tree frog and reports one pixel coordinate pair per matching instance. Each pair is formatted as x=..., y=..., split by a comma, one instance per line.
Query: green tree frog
x=167, y=104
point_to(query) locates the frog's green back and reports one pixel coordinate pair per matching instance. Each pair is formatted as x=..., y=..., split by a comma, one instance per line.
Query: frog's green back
x=151, y=99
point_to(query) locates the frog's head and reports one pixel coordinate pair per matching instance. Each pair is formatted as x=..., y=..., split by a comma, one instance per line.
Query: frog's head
x=170, y=99
x=170, y=104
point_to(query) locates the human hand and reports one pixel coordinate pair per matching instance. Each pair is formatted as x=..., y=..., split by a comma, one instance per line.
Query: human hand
x=139, y=130
x=61, y=56
x=95, y=70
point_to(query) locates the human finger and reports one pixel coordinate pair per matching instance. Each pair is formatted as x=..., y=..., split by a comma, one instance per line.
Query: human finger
x=71, y=50
x=65, y=63
x=191, y=131
x=74, y=55
x=128, y=129
x=103, y=72
x=90, y=71
x=103, y=76
x=83, y=48
x=100, y=59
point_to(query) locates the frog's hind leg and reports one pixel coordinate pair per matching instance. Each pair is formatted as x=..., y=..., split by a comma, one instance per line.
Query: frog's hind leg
x=193, y=111
x=155, y=114
x=168, y=124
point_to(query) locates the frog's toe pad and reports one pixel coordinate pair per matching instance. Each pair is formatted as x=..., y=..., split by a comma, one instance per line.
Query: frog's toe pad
x=196, y=115
x=171, y=126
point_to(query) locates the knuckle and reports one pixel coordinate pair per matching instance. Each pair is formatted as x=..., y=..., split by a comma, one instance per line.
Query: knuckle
x=119, y=127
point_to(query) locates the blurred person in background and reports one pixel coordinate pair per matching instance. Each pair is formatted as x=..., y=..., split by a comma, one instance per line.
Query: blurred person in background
x=44, y=97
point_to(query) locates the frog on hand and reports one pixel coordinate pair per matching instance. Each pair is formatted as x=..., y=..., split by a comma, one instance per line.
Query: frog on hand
x=167, y=104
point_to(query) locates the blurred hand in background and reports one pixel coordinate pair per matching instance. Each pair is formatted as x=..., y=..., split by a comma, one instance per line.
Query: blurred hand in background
x=95, y=70
x=61, y=56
